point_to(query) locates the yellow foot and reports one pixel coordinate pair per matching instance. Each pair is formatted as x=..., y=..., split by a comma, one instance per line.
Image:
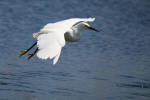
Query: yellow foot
x=23, y=52
x=31, y=55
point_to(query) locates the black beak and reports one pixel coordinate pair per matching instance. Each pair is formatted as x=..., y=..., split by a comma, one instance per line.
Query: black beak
x=93, y=29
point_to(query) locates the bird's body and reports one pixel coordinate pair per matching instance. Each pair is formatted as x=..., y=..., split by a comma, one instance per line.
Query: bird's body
x=52, y=37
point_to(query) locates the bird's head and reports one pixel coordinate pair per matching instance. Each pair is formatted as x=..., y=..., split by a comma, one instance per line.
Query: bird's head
x=87, y=26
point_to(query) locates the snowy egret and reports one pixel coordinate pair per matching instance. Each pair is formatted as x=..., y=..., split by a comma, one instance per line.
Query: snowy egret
x=52, y=37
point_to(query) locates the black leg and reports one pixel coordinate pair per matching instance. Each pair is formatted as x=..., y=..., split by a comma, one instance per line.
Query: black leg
x=32, y=54
x=26, y=50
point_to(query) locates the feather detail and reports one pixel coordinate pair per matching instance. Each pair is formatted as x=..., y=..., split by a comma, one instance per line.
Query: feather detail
x=56, y=58
x=49, y=46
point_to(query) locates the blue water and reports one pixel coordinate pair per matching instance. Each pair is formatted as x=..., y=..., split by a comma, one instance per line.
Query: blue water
x=113, y=64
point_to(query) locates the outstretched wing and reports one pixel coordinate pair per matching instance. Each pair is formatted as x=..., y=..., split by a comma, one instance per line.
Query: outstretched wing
x=65, y=25
x=50, y=44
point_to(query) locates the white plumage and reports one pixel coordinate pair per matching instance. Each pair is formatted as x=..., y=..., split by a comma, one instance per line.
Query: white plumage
x=49, y=45
x=51, y=38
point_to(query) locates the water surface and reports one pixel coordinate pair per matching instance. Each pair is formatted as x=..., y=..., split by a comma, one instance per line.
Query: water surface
x=113, y=64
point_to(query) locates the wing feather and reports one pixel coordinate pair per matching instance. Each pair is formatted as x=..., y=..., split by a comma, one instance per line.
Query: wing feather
x=65, y=25
x=49, y=46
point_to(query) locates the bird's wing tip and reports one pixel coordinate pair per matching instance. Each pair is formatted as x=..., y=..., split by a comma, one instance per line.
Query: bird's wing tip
x=91, y=19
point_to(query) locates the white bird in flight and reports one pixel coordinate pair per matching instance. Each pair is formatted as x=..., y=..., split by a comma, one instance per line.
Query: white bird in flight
x=52, y=37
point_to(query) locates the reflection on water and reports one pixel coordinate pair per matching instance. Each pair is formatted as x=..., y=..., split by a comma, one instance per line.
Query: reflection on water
x=110, y=65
